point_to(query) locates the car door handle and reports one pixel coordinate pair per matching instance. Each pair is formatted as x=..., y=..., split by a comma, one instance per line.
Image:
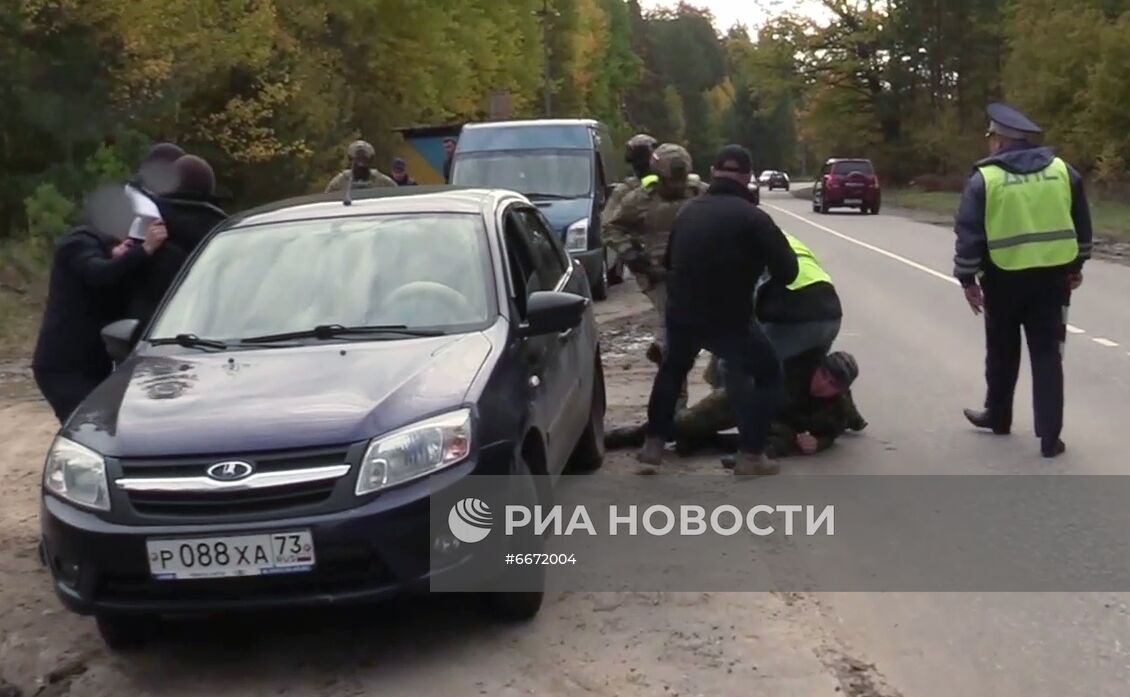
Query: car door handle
x=565, y=335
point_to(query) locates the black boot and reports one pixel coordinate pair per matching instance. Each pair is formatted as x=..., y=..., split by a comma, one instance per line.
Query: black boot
x=1052, y=448
x=982, y=419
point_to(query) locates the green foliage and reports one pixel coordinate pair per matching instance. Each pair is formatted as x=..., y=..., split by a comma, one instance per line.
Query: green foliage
x=104, y=166
x=49, y=213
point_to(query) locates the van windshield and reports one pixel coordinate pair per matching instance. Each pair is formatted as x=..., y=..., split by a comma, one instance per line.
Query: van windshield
x=556, y=173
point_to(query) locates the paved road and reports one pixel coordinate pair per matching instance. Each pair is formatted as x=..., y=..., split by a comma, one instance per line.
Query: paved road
x=920, y=350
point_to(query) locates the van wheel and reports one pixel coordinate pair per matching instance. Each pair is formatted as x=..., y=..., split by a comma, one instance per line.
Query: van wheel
x=127, y=632
x=588, y=456
x=600, y=288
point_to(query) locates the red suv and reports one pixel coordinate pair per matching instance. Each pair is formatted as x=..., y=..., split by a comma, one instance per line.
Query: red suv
x=847, y=183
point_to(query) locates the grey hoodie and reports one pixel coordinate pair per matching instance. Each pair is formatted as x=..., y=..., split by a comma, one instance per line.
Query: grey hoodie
x=969, y=224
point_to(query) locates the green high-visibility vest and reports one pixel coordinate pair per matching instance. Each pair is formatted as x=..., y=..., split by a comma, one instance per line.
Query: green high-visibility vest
x=1028, y=221
x=649, y=180
x=808, y=269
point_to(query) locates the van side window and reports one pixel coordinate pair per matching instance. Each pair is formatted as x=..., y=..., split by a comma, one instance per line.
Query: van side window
x=546, y=255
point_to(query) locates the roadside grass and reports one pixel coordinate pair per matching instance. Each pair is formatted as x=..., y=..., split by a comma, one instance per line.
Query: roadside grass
x=1110, y=217
x=24, y=268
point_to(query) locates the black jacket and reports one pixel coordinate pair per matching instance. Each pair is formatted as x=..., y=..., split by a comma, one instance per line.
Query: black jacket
x=719, y=247
x=819, y=302
x=87, y=291
x=188, y=218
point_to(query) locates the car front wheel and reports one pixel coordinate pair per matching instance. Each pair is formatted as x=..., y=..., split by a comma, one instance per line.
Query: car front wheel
x=600, y=288
x=521, y=605
x=588, y=456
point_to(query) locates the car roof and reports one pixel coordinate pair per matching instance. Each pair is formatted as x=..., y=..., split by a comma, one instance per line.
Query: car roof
x=371, y=201
x=834, y=160
x=532, y=122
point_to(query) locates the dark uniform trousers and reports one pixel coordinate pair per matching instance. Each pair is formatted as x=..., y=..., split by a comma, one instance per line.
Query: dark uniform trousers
x=1035, y=301
x=65, y=390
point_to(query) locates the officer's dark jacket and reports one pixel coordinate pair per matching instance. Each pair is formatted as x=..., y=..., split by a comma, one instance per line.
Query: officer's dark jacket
x=188, y=217
x=719, y=247
x=972, y=251
x=819, y=302
x=87, y=290
x=825, y=419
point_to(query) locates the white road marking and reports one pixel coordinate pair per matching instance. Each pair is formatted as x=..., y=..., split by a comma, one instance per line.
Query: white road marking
x=1105, y=342
x=879, y=250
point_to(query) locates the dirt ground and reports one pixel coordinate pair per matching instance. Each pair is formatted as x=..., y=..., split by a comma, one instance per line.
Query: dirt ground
x=668, y=644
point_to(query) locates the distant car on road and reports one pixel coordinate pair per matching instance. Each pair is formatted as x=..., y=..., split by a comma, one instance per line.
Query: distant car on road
x=755, y=191
x=847, y=183
x=273, y=439
x=777, y=180
x=763, y=178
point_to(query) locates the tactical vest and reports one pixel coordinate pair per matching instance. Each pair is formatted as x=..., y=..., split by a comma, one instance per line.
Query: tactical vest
x=1028, y=221
x=808, y=269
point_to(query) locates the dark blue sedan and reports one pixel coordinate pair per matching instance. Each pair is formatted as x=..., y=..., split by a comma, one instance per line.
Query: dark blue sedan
x=271, y=438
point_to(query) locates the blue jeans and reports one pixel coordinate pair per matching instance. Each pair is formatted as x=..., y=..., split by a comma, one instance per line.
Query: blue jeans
x=794, y=339
x=754, y=383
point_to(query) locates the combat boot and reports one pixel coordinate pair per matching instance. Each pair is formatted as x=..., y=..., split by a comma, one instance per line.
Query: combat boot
x=750, y=465
x=655, y=353
x=1052, y=448
x=652, y=451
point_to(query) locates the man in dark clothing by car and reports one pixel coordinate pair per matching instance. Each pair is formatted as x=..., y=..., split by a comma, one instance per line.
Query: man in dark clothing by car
x=155, y=175
x=400, y=173
x=448, y=158
x=89, y=279
x=720, y=245
x=189, y=213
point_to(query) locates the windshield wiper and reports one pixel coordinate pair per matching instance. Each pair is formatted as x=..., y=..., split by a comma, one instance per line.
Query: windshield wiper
x=333, y=331
x=188, y=341
x=537, y=195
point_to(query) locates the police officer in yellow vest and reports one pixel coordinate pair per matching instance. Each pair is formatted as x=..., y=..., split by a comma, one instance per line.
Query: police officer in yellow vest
x=1023, y=234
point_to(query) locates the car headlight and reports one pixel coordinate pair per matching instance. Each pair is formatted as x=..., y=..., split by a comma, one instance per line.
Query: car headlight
x=577, y=236
x=415, y=451
x=77, y=474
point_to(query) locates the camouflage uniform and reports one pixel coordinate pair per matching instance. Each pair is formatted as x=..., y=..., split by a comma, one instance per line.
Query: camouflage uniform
x=643, y=222
x=619, y=191
x=344, y=179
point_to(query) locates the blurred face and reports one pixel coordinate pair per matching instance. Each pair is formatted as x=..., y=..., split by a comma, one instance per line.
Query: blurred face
x=740, y=177
x=159, y=176
x=449, y=146
x=823, y=385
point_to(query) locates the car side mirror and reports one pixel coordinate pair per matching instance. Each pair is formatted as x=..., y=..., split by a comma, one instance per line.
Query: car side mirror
x=118, y=338
x=551, y=312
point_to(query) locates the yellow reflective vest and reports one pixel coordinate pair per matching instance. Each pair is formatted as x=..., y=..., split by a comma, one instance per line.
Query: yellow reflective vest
x=1028, y=222
x=809, y=271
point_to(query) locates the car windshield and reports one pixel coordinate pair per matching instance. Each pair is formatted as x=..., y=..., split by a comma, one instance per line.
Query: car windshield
x=555, y=173
x=416, y=271
x=845, y=168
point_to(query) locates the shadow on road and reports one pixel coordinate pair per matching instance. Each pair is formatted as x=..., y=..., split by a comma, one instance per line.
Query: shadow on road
x=407, y=635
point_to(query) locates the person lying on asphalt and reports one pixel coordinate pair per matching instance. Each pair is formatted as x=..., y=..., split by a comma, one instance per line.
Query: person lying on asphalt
x=819, y=408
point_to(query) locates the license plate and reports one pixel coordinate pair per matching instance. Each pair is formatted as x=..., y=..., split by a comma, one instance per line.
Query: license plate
x=853, y=202
x=220, y=557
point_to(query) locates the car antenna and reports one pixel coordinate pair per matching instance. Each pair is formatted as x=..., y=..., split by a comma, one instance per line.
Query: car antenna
x=348, y=200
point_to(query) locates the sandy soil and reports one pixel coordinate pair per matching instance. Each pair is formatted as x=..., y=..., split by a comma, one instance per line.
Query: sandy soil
x=676, y=644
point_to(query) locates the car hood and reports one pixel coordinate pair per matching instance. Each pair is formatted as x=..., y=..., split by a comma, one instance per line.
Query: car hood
x=563, y=213
x=186, y=402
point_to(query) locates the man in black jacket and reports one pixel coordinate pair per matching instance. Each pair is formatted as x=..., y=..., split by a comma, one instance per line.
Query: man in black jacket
x=720, y=245
x=89, y=277
x=189, y=213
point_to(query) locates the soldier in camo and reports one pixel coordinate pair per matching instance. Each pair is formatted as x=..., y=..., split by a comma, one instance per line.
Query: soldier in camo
x=819, y=408
x=637, y=153
x=359, y=175
x=638, y=229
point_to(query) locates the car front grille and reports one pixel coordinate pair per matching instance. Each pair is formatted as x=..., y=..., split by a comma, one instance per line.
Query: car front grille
x=181, y=488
